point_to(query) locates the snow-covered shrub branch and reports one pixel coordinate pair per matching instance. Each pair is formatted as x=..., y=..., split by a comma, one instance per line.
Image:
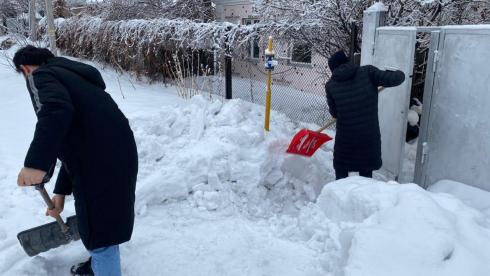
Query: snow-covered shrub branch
x=147, y=46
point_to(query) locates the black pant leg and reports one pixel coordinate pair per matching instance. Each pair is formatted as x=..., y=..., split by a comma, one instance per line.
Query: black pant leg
x=368, y=174
x=339, y=174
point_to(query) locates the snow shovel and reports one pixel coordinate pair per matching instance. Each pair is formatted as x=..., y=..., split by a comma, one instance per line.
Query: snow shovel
x=52, y=235
x=306, y=141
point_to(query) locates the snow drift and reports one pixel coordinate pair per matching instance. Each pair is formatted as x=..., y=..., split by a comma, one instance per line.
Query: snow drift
x=218, y=155
x=366, y=227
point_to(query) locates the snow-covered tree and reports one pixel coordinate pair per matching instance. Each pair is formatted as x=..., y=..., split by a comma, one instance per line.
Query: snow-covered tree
x=198, y=10
x=12, y=8
x=325, y=24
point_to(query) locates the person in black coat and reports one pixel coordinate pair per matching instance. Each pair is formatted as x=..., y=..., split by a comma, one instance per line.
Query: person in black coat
x=79, y=124
x=352, y=96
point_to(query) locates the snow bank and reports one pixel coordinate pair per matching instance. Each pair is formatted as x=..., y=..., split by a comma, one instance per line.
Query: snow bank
x=366, y=227
x=218, y=155
x=3, y=167
x=471, y=196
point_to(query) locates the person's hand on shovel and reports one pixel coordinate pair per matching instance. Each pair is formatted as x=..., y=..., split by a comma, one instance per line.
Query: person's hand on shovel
x=29, y=177
x=59, y=205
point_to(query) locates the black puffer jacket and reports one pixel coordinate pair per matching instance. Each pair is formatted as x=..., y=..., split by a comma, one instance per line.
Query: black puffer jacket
x=352, y=95
x=82, y=126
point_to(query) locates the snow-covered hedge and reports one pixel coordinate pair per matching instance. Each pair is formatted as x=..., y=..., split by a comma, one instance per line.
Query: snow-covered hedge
x=147, y=46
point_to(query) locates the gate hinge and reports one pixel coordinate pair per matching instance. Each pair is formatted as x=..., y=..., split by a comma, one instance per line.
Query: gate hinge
x=425, y=152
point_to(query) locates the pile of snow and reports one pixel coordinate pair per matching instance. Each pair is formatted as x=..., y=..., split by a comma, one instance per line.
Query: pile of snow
x=409, y=158
x=471, y=196
x=413, y=117
x=3, y=167
x=218, y=155
x=366, y=227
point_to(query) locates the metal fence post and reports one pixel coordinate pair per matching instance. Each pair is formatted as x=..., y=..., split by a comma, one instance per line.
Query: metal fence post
x=372, y=19
x=353, y=40
x=228, y=78
x=269, y=67
x=354, y=55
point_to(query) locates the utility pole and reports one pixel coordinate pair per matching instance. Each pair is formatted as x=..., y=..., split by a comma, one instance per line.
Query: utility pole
x=51, y=29
x=32, y=20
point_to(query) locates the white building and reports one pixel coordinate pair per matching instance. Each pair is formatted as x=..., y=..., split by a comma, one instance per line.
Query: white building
x=299, y=67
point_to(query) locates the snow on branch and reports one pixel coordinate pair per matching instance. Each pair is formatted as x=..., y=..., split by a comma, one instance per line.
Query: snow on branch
x=147, y=46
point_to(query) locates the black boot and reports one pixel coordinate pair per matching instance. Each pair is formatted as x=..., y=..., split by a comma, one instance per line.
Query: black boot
x=83, y=269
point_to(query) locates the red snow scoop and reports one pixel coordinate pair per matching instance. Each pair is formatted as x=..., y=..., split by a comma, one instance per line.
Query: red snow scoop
x=306, y=141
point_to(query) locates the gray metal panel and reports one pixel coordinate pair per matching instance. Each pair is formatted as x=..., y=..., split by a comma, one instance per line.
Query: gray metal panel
x=371, y=21
x=428, y=90
x=459, y=125
x=395, y=48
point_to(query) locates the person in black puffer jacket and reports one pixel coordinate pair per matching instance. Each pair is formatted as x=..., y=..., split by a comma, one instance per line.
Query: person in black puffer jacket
x=352, y=96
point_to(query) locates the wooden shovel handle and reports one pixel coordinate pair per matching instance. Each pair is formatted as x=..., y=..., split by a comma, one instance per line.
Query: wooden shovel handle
x=333, y=121
x=49, y=203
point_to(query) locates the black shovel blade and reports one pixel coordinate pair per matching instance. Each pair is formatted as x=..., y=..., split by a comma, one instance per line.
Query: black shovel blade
x=48, y=236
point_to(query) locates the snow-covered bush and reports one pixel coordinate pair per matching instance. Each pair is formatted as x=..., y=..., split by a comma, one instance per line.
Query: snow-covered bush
x=148, y=47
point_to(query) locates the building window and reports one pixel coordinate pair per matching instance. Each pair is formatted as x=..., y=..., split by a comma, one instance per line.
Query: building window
x=254, y=49
x=301, y=53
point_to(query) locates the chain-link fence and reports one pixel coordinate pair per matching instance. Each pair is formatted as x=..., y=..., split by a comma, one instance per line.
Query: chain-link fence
x=298, y=86
x=297, y=89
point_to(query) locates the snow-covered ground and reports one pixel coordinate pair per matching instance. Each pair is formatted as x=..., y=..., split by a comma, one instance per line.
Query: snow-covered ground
x=218, y=196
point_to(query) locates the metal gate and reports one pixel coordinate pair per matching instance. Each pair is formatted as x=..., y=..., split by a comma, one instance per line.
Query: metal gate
x=455, y=137
x=394, y=49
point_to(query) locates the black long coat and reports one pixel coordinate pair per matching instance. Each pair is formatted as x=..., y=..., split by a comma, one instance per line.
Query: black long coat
x=352, y=95
x=80, y=124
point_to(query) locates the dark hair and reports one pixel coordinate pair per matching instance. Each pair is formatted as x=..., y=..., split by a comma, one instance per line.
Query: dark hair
x=337, y=59
x=30, y=55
